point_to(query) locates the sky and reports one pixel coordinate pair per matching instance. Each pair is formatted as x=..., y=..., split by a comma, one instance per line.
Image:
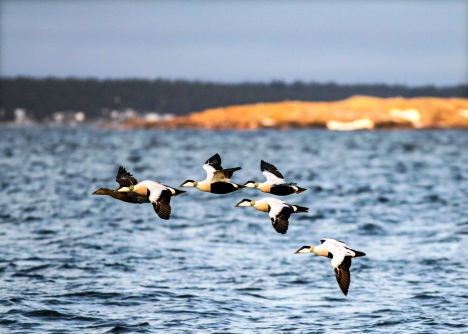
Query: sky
x=391, y=42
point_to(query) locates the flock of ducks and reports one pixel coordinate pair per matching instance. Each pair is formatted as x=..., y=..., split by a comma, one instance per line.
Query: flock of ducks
x=218, y=181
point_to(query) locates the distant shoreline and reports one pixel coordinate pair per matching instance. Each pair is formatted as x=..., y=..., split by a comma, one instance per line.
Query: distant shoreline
x=355, y=113
x=64, y=100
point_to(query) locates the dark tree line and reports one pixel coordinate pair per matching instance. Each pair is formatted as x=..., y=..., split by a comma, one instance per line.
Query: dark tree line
x=42, y=97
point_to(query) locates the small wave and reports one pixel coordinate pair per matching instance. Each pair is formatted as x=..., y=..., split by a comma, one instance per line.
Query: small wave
x=384, y=311
x=93, y=295
x=434, y=198
x=456, y=325
x=249, y=289
x=317, y=216
x=383, y=199
x=371, y=229
x=186, y=296
x=135, y=220
x=298, y=281
x=8, y=322
x=52, y=315
x=333, y=299
x=30, y=276
x=425, y=296
x=32, y=219
x=5, y=216
x=388, y=323
x=144, y=327
x=45, y=232
x=433, y=261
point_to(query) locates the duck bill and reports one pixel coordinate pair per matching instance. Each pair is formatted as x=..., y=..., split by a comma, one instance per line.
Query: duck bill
x=250, y=184
x=188, y=183
x=244, y=202
x=102, y=191
x=303, y=250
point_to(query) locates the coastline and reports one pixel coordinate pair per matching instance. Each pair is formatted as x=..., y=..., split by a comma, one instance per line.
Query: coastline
x=355, y=113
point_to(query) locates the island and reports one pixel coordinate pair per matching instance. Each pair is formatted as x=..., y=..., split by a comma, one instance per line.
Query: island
x=355, y=113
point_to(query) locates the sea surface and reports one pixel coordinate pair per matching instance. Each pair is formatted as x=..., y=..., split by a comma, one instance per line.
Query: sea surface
x=72, y=262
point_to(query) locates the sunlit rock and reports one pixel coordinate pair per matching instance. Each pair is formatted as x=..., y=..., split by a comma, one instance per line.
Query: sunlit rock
x=359, y=124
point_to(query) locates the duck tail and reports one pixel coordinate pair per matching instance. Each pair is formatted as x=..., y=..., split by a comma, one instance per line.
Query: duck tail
x=300, y=190
x=177, y=192
x=300, y=208
x=358, y=253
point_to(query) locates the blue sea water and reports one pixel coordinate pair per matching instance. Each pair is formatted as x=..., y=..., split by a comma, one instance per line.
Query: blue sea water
x=71, y=262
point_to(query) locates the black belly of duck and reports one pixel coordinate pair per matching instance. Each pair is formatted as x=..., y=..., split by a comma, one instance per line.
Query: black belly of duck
x=134, y=197
x=222, y=188
x=282, y=190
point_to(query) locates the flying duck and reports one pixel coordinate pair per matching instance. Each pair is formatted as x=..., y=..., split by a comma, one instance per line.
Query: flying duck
x=157, y=193
x=278, y=211
x=274, y=183
x=340, y=256
x=125, y=179
x=218, y=180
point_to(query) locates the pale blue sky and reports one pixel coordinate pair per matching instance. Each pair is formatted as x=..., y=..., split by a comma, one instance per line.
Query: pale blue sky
x=392, y=42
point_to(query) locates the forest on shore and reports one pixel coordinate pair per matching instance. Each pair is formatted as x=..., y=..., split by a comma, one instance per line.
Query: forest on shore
x=42, y=97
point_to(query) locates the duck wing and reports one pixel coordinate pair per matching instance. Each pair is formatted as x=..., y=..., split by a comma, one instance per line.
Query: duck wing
x=333, y=243
x=160, y=198
x=216, y=173
x=124, y=178
x=212, y=165
x=279, y=215
x=224, y=175
x=214, y=161
x=281, y=223
x=162, y=205
x=272, y=174
x=342, y=274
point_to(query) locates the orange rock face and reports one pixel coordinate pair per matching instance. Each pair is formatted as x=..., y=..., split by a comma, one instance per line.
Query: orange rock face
x=424, y=112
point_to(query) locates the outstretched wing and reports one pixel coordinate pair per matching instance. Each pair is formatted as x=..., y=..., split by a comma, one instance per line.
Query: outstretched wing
x=160, y=198
x=342, y=274
x=212, y=165
x=333, y=243
x=162, y=205
x=279, y=216
x=216, y=173
x=281, y=223
x=124, y=178
x=224, y=175
x=272, y=175
x=214, y=161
